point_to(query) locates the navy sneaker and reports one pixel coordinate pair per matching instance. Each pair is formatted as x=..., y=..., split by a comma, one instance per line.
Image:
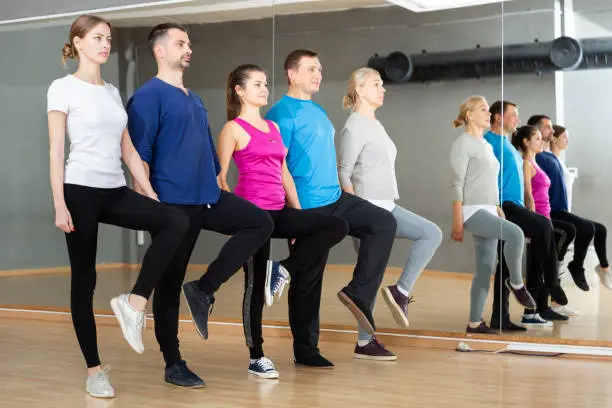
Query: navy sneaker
x=263, y=368
x=535, y=320
x=276, y=279
x=200, y=306
x=179, y=375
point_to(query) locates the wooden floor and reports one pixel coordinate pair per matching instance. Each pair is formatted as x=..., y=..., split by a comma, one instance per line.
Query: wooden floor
x=442, y=302
x=41, y=365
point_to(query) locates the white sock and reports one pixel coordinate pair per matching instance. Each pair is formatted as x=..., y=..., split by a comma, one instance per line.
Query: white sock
x=362, y=343
x=517, y=287
x=474, y=325
x=403, y=291
x=529, y=316
x=254, y=360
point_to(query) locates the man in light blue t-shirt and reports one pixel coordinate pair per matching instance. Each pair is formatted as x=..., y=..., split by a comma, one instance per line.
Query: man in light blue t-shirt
x=308, y=135
x=543, y=253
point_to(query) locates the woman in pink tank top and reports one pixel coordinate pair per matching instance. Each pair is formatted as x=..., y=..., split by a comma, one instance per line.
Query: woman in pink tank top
x=528, y=141
x=257, y=148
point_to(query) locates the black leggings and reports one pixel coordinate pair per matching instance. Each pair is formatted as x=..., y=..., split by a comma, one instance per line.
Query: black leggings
x=565, y=233
x=315, y=234
x=543, y=270
x=125, y=208
x=248, y=226
x=586, y=231
x=375, y=228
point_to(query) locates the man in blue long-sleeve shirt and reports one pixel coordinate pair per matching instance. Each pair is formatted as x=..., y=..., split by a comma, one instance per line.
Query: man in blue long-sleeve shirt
x=169, y=127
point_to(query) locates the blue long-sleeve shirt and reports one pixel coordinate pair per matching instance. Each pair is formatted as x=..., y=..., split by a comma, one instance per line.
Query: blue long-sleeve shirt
x=170, y=131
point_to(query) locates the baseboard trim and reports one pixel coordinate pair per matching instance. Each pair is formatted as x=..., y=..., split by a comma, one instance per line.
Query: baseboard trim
x=343, y=333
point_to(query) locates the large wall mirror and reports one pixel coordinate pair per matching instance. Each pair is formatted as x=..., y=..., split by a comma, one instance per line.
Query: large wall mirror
x=406, y=70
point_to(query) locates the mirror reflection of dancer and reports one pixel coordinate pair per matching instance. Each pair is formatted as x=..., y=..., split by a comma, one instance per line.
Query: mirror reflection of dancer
x=587, y=231
x=476, y=208
x=543, y=252
x=528, y=141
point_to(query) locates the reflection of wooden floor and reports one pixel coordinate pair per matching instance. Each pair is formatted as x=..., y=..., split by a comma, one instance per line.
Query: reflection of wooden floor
x=42, y=367
x=441, y=301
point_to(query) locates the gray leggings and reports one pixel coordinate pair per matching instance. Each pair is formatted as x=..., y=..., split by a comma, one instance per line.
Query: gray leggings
x=487, y=229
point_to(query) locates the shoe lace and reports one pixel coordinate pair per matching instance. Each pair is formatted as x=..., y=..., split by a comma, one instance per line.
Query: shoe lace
x=141, y=322
x=279, y=282
x=102, y=375
x=408, y=301
x=377, y=343
x=265, y=364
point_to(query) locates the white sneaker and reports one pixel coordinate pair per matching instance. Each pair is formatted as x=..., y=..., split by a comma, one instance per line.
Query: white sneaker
x=132, y=321
x=98, y=385
x=564, y=310
x=604, y=277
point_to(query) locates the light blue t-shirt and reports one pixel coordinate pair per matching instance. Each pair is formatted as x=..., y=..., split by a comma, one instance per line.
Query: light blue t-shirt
x=308, y=135
x=511, y=187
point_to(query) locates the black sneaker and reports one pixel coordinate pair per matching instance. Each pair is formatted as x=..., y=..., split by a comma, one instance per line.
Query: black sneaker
x=314, y=361
x=578, y=277
x=550, y=314
x=200, y=306
x=359, y=310
x=507, y=326
x=179, y=375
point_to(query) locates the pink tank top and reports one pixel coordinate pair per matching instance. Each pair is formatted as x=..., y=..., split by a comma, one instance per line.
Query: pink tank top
x=260, y=167
x=540, y=183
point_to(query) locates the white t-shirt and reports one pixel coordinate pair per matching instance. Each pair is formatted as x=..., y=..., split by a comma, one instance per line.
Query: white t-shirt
x=95, y=123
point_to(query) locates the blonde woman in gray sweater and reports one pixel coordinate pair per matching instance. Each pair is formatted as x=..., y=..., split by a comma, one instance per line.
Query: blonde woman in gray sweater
x=476, y=209
x=366, y=168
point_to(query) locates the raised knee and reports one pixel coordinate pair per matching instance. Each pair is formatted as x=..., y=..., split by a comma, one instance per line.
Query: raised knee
x=435, y=235
x=176, y=221
x=266, y=224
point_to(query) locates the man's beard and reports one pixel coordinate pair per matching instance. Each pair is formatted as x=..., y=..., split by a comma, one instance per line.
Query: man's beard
x=182, y=64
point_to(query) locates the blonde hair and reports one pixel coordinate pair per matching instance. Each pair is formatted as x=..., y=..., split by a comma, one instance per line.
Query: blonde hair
x=356, y=79
x=467, y=105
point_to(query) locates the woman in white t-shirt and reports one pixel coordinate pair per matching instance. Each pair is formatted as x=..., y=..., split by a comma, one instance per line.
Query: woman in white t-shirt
x=366, y=168
x=90, y=188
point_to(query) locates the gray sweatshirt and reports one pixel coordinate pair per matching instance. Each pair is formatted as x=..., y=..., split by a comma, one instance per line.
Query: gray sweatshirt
x=475, y=171
x=366, y=159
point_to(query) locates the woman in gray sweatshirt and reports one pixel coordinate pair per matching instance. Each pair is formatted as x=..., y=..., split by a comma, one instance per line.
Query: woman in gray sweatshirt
x=476, y=209
x=366, y=168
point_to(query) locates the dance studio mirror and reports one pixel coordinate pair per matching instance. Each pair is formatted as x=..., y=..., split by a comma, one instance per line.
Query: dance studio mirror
x=424, y=58
x=35, y=267
x=431, y=57
x=557, y=73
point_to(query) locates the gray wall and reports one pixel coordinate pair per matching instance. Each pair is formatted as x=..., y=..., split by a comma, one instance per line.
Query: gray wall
x=587, y=109
x=29, y=236
x=416, y=116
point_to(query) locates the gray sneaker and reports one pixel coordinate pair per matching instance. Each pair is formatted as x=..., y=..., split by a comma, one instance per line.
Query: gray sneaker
x=132, y=321
x=98, y=385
